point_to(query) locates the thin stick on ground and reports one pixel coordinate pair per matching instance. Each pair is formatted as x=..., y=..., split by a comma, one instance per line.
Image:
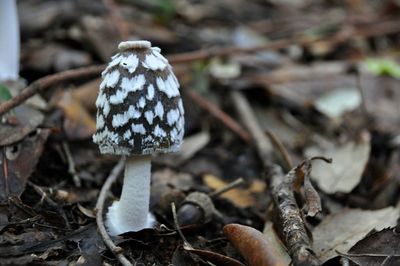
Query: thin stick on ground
x=221, y=51
x=282, y=150
x=261, y=141
x=215, y=111
x=71, y=165
x=186, y=244
x=117, y=251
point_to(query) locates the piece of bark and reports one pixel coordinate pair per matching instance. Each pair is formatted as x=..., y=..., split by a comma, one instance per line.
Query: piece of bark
x=291, y=224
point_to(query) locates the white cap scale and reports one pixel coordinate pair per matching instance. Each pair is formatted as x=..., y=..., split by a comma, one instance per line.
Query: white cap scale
x=139, y=112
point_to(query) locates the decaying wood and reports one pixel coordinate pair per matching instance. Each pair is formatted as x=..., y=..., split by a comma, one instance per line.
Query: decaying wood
x=290, y=222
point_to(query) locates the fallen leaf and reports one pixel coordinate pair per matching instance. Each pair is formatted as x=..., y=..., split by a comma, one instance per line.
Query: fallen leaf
x=224, y=70
x=27, y=118
x=87, y=93
x=254, y=246
x=78, y=124
x=335, y=103
x=381, y=93
x=18, y=162
x=242, y=198
x=190, y=146
x=342, y=230
x=312, y=200
x=349, y=161
x=272, y=237
x=379, y=248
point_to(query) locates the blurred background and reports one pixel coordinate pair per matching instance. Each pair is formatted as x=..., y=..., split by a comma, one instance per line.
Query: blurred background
x=264, y=82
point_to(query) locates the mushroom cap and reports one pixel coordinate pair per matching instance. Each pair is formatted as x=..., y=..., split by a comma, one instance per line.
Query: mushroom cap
x=139, y=107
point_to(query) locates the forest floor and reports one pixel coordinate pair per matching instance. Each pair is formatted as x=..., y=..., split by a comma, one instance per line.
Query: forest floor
x=291, y=106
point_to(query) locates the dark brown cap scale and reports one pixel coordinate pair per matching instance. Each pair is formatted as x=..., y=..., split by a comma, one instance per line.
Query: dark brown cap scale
x=139, y=108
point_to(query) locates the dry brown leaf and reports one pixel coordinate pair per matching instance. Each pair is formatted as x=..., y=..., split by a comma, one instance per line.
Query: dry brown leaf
x=78, y=124
x=311, y=197
x=238, y=196
x=272, y=237
x=87, y=93
x=19, y=161
x=342, y=230
x=379, y=248
x=254, y=246
x=349, y=161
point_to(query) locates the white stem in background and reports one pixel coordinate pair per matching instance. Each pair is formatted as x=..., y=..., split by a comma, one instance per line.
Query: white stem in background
x=9, y=40
x=131, y=212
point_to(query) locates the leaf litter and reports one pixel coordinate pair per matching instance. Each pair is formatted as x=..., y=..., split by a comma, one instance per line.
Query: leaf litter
x=265, y=85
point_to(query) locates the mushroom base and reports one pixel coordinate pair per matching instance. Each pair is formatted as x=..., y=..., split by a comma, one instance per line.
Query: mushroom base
x=116, y=227
x=131, y=212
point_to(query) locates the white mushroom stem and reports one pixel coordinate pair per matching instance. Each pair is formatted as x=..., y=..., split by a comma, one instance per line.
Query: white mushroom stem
x=9, y=40
x=131, y=212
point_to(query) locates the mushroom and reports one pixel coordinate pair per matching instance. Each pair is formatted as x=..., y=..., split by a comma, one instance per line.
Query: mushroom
x=9, y=41
x=139, y=113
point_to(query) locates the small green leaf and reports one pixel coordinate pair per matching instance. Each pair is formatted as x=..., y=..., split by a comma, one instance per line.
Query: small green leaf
x=383, y=67
x=5, y=93
x=164, y=10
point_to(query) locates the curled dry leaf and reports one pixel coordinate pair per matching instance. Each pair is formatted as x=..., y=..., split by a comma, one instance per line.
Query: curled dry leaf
x=253, y=246
x=311, y=197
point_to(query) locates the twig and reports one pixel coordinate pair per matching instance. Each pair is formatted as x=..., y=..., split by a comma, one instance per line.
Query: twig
x=263, y=144
x=117, y=251
x=221, y=51
x=186, y=244
x=290, y=220
x=52, y=203
x=71, y=165
x=215, y=111
x=47, y=82
x=282, y=150
x=228, y=187
x=361, y=89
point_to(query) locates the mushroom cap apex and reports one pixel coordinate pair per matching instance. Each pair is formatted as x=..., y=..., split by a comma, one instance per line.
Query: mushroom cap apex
x=122, y=46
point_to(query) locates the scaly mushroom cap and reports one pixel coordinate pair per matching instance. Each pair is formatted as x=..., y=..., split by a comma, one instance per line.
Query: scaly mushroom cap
x=139, y=107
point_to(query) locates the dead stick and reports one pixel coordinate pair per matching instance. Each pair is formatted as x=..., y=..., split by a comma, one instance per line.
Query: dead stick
x=263, y=144
x=48, y=81
x=215, y=111
x=117, y=251
x=287, y=160
x=290, y=221
x=221, y=51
